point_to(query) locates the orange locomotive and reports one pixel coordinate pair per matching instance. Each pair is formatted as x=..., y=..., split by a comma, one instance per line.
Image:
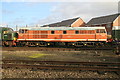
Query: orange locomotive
x=77, y=36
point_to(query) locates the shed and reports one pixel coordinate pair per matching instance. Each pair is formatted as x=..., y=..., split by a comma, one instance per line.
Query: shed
x=107, y=21
x=75, y=22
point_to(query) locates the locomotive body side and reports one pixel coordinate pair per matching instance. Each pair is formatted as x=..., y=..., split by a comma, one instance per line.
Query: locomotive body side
x=66, y=35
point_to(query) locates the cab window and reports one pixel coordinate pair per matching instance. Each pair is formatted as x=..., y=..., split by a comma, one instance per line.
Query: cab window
x=21, y=31
x=26, y=31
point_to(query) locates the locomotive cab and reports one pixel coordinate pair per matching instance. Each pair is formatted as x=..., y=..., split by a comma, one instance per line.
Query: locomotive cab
x=8, y=36
x=23, y=31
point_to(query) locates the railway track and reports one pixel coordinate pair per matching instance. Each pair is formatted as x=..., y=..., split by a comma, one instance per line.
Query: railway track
x=61, y=65
x=51, y=49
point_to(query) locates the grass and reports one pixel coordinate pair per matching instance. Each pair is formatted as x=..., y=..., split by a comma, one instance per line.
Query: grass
x=37, y=55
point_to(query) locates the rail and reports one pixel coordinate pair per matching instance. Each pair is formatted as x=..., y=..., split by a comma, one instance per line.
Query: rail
x=60, y=65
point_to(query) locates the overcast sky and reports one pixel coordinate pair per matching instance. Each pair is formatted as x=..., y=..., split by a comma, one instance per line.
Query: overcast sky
x=39, y=13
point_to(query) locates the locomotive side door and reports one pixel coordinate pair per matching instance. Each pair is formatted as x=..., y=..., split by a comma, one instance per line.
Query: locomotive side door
x=97, y=35
x=26, y=34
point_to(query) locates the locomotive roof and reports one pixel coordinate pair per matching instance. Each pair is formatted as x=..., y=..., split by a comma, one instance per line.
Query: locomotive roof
x=64, y=28
x=4, y=27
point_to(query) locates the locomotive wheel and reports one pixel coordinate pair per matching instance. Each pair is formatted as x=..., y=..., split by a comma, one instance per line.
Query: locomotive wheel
x=117, y=53
x=42, y=44
x=98, y=45
x=10, y=44
x=5, y=43
x=20, y=44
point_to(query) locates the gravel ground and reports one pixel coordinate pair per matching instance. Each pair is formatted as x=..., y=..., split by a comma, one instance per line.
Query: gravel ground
x=88, y=55
x=26, y=73
x=91, y=55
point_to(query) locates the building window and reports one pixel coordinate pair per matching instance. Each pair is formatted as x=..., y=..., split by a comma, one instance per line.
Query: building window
x=76, y=32
x=52, y=32
x=64, y=32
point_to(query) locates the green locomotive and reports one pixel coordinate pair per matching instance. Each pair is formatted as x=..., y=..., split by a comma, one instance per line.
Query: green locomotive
x=116, y=39
x=116, y=33
x=8, y=36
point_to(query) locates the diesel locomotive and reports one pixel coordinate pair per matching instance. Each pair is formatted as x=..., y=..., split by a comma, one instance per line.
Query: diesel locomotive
x=76, y=36
x=8, y=37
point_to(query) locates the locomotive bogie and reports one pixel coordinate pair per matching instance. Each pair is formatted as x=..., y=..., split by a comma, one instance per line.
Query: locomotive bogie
x=8, y=43
x=32, y=43
x=92, y=44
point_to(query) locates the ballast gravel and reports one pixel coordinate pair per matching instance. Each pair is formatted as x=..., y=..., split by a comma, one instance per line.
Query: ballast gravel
x=27, y=73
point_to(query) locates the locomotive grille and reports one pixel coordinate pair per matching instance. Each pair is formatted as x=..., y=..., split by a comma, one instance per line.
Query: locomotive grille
x=44, y=34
